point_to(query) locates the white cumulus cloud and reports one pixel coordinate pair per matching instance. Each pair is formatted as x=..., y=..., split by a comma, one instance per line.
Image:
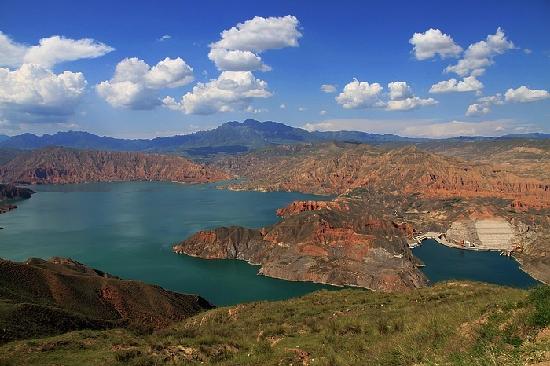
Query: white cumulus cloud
x=433, y=42
x=30, y=91
x=480, y=55
x=525, y=95
x=360, y=94
x=49, y=51
x=403, y=99
x=399, y=90
x=236, y=60
x=520, y=95
x=409, y=103
x=475, y=60
x=468, y=84
x=232, y=90
x=134, y=84
x=483, y=105
x=477, y=109
x=260, y=34
x=11, y=53
x=37, y=91
x=240, y=47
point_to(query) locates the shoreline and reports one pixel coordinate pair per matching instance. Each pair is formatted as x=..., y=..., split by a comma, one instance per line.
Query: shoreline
x=437, y=238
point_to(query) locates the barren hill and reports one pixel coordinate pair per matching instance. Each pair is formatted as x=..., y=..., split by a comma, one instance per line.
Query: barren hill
x=41, y=297
x=60, y=165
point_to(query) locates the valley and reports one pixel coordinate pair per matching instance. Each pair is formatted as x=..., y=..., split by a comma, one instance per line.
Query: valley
x=274, y=183
x=385, y=198
x=349, y=215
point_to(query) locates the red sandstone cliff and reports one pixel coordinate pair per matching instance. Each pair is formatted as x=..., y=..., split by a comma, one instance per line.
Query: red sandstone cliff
x=321, y=246
x=339, y=168
x=60, y=166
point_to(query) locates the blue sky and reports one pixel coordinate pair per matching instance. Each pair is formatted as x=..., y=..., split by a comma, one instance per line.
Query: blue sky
x=305, y=44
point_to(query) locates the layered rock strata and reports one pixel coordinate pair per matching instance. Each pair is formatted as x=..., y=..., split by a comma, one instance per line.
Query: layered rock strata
x=61, y=166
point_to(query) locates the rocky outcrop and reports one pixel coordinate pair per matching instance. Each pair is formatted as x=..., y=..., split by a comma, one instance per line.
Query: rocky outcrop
x=61, y=166
x=61, y=294
x=9, y=194
x=339, y=168
x=300, y=206
x=320, y=246
x=474, y=200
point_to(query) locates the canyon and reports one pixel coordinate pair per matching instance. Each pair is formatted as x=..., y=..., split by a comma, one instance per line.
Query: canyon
x=385, y=198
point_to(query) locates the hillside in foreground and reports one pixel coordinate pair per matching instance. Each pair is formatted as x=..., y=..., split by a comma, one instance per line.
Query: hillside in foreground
x=456, y=323
x=47, y=297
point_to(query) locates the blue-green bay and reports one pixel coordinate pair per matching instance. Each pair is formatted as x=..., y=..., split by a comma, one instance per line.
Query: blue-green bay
x=444, y=263
x=128, y=229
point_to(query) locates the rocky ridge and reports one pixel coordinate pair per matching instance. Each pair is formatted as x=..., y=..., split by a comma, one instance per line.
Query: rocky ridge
x=9, y=194
x=61, y=166
x=386, y=199
x=40, y=297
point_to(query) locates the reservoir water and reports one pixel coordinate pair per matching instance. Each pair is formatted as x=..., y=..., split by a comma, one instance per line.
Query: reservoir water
x=444, y=263
x=128, y=229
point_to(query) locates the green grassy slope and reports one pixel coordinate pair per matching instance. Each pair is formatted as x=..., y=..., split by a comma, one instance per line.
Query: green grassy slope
x=457, y=323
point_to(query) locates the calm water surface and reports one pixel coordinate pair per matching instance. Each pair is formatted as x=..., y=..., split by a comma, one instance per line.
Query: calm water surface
x=444, y=263
x=128, y=229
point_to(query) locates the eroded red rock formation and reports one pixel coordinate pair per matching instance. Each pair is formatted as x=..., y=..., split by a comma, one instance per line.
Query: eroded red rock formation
x=300, y=206
x=61, y=166
x=320, y=246
x=384, y=196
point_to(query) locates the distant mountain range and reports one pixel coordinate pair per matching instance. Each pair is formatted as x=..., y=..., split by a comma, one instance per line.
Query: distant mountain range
x=230, y=137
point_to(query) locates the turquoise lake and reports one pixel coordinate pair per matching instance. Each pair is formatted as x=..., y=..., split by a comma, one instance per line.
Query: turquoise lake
x=444, y=263
x=128, y=229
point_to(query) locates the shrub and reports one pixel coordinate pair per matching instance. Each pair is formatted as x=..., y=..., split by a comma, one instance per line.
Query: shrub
x=127, y=355
x=539, y=297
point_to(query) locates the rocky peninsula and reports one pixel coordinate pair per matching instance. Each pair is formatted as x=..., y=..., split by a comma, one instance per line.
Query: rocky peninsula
x=385, y=199
x=10, y=194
